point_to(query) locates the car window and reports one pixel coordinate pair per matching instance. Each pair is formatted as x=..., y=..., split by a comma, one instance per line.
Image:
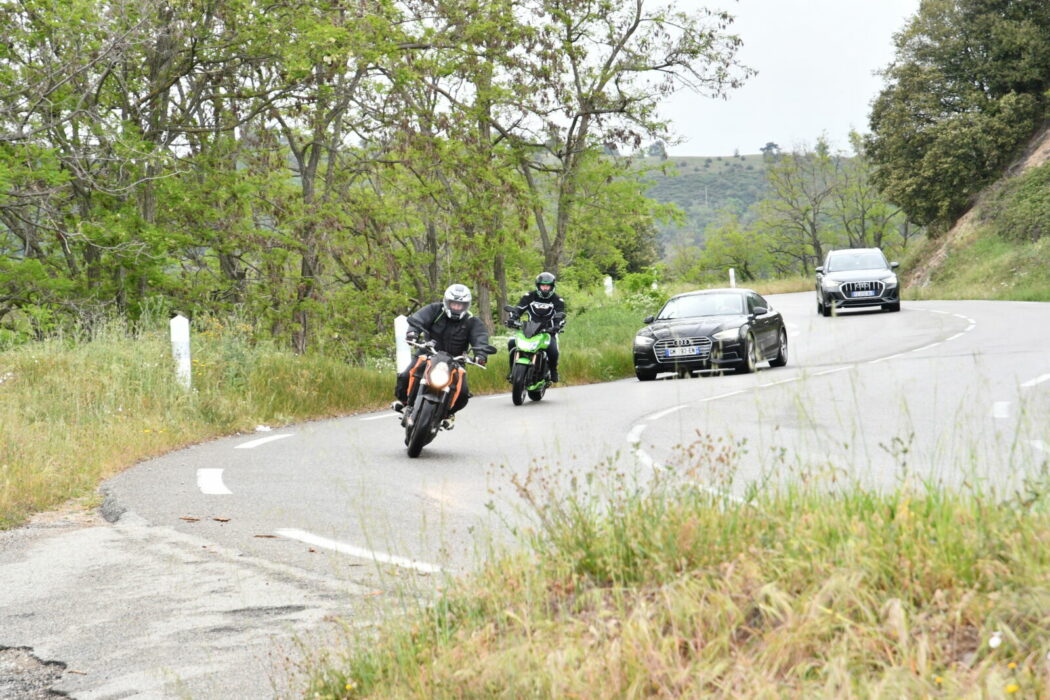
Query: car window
x=702, y=305
x=866, y=260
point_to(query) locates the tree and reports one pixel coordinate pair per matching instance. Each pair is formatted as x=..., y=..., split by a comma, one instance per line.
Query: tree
x=966, y=89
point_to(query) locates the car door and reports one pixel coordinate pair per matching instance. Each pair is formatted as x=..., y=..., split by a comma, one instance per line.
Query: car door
x=765, y=325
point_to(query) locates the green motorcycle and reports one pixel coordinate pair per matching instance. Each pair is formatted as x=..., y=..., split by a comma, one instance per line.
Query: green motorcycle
x=529, y=366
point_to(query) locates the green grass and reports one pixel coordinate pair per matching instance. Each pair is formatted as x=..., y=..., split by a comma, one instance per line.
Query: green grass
x=992, y=267
x=671, y=592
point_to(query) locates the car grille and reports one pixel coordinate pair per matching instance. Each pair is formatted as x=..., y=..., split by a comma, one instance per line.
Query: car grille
x=703, y=351
x=849, y=288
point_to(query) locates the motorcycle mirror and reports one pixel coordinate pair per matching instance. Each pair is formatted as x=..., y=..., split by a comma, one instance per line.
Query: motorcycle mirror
x=490, y=349
x=508, y=307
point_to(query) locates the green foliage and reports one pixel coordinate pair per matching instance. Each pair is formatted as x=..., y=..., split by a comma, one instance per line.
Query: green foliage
x=1020, y=208
x=966, y=90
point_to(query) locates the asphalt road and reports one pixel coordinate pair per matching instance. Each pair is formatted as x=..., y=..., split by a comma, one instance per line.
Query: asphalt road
x=223, y=561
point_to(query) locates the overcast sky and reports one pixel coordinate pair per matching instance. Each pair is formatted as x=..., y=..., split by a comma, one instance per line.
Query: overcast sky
x=815, y=60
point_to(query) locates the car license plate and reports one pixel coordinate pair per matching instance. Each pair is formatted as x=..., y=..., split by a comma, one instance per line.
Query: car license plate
x=679, y=352
x=865, y=293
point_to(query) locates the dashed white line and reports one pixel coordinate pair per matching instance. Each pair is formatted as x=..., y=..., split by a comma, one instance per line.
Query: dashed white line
x=1033, y=382
x=832, y=371
x=669, y=411
x=888, y=357
x=343, y=548
x=722, y=396
x=957, y=335
x=635, y=436
x=926, y=347
x=261, y=441
x=382, y=416
x=209, y=481
x=782, y=381
x=970, y=327
x=1001, y=409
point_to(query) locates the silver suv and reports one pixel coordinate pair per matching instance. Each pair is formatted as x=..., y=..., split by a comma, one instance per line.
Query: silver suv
x=854, y=277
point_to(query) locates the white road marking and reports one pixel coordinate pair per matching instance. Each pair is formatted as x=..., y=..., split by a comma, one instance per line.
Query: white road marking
x=1001, y=409
x=832, y=371
x=382, y=416
x=1039, y=445
x=343, y=548
x=888, y=357
x=970, y=327
x=722, y=396
x=965, y=318
x=1038, y=380
x=926, y=347
x=209, y=481
x=635, y=436
x=782, y=381
x=261, y=441
x=661, y=414
x=957, y=335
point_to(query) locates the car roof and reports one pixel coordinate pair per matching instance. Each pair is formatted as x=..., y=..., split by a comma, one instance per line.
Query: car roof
x=721, y=290
x=855, y=250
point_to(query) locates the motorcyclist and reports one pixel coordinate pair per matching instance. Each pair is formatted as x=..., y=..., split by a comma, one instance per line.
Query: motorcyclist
x=453, y=329
x=543, y=302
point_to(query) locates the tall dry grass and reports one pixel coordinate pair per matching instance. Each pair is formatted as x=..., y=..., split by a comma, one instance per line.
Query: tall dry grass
x=669, y=591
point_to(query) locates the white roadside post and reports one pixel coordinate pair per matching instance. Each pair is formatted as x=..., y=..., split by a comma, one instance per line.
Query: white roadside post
x=732, y=277
x=608, y=286
x=404, y=354
x=180, y=350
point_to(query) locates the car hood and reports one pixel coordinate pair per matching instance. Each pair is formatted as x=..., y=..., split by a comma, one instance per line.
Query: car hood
x=700, y=325
x=854, y=275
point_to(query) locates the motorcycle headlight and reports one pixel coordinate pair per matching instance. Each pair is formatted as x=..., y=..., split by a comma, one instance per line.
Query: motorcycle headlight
x=528, y=345
x=727, y=334
x=439, y=376
x=830, y=283
x=644, y=340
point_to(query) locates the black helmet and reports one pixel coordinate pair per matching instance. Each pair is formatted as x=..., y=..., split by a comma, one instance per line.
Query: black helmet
x=457, y=302
x=545, y=282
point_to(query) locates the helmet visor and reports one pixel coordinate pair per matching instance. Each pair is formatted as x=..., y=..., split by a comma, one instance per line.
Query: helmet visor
x=545, y=287
x=457, y=307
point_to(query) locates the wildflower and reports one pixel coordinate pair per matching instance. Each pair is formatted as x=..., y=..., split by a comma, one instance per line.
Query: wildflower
x=938, y=680
x=1012, y=688
x=1012, y=665
x=996, y=640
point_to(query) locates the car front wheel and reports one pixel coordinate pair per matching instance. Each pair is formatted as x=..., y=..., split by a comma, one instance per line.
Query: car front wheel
x=750, y=362
x=782, y=351
x=643, y=375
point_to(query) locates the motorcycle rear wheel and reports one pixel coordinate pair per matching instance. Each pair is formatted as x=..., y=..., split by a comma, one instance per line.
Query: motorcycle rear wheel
x=518, y=377
x=420, y=434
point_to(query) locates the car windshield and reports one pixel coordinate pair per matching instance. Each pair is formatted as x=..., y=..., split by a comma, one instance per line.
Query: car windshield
x=856, y=261
x=702, y=305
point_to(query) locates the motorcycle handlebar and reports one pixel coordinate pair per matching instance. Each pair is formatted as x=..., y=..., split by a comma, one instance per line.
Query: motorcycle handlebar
x=430, y=347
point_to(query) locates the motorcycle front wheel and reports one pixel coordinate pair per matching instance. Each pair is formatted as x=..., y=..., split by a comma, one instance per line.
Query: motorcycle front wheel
x=420, y=430
x=518, y=376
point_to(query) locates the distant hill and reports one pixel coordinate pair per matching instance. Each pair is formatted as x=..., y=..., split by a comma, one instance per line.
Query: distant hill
x=703, y=187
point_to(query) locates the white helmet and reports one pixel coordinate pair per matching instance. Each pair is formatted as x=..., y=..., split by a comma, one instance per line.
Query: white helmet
x=457, y=302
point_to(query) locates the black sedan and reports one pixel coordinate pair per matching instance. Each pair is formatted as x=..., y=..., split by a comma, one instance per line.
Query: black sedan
x=710, y=329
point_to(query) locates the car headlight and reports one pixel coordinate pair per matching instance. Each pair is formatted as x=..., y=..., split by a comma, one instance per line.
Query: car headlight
x=830, y=283
x=727, y=334
x=890, y=281
x=644, y=340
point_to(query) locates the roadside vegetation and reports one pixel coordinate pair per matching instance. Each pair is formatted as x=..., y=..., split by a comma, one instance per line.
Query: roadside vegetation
x=672, y=591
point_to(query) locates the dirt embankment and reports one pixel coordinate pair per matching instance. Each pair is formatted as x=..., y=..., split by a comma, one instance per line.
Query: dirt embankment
x=1037, y=153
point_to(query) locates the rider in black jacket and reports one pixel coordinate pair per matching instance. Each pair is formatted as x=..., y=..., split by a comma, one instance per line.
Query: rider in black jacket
x=541, y=303
x=452, y=328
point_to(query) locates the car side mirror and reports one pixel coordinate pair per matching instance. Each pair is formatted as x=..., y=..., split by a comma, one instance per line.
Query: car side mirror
x=759, y=311
x=894, y=265
x=648, y=319
x=819, y=269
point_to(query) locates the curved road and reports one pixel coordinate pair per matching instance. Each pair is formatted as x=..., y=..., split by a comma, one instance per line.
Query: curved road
x=293, y=520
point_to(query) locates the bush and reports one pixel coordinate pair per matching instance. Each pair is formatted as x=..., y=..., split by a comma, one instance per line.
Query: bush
x=1021, y=208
